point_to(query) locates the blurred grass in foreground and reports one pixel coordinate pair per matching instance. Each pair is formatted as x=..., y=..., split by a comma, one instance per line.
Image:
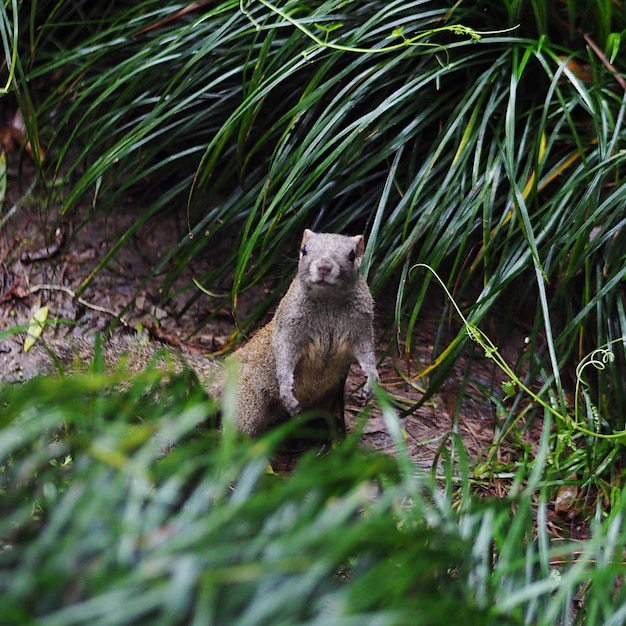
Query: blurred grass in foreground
x=117, y=511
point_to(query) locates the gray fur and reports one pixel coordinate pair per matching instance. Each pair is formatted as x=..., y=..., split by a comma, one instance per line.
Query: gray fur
x=299, y=361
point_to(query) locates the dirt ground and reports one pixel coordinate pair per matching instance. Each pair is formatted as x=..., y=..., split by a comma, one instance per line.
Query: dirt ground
x=45, y=262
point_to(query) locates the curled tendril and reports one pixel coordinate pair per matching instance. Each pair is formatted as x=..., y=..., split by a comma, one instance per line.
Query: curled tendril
x=599, y=359
x=595, y=414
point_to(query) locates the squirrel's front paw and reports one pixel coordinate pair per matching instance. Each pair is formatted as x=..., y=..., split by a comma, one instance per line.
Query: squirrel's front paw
x=291, y=403
x=368, y=394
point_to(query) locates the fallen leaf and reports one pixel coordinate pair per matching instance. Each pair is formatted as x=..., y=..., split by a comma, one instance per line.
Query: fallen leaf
x=565, y=497
x=35, y=327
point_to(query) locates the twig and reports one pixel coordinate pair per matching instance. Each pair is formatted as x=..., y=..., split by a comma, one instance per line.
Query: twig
x=72, y=294
x=566, y=559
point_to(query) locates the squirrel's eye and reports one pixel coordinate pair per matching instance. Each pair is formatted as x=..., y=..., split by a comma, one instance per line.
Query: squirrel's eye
x=351, y=256
x=303, y=251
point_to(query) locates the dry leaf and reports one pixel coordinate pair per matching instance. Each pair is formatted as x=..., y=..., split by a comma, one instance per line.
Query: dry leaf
x=565, y=497
x=35, y=327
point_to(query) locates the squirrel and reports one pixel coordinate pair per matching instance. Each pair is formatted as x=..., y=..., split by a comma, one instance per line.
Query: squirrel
x=297, y=362
x=300, y=360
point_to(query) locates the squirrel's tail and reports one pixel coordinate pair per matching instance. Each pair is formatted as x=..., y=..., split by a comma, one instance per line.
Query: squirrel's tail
x=133, y=353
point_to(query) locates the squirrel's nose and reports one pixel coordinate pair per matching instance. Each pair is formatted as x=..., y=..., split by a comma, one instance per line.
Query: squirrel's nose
x=324, y=267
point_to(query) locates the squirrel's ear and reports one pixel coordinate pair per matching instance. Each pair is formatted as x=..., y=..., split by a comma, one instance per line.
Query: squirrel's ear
x=306, y=235
x=359, y=245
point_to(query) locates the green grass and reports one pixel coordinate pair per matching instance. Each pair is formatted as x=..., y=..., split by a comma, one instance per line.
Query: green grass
x=116, y=511
x=493, y=153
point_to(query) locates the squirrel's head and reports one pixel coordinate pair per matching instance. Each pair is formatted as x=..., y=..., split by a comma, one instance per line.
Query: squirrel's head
x=328, y=259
